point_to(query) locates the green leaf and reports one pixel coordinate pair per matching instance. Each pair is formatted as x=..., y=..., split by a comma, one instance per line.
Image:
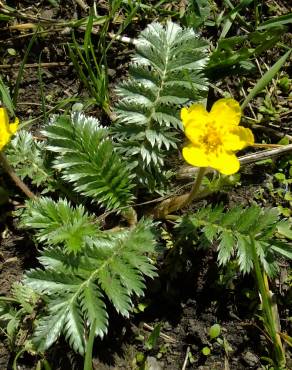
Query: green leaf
x=276, y=21
x=225, y=247
x=114, y=290
x=55, y=3
x=94, y=308
x=166, y=71
x=284, y=228
x=283, y=249
x=29, y=160
x=131, y=278
x=52, y=282
x=197, y=13
x=234, y=229
x=25, y=296
x=266, y=223
x=5, y=18
x=233, y=54
x=86, y=158
x=73, y=327
x=214, y=331
x=242, y=5
x=50, y=327
x=232, y=216
x=210, y=232
x=58, y=223
x=247, y=219
x=153, y=337
x=244, y=254
x=110, y=268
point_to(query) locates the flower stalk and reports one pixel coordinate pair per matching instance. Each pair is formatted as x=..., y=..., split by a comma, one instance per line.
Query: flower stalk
x=19, y=183
x=176, y=203
x=269, y=318
x=196, y=187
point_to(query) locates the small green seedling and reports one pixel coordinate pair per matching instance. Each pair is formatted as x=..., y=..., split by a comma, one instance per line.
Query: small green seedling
x=206, y=351
x=214, y=331
x=153, y=338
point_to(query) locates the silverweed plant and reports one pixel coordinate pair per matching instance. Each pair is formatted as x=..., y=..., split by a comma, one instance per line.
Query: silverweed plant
x=89, y=172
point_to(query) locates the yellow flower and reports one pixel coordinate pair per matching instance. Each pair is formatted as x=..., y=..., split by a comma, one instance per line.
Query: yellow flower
x=215, y=136
x=6, y=129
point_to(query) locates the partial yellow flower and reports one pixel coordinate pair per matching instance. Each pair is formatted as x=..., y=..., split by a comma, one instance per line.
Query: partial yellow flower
x=6, y=129
x=215, y=136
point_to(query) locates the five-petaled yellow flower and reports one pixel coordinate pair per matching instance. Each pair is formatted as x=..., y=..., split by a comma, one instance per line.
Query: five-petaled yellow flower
x=215, y=136
x=6, y=129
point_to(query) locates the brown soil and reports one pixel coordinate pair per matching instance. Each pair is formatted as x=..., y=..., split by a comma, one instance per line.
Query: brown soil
x=15, y=257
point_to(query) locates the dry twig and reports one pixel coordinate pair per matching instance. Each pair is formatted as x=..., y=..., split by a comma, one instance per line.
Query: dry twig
x=34, y=65
x=186, y=359
x=82, y=4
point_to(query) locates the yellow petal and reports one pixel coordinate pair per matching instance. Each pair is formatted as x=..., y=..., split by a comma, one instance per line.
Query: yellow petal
x=195, y=133
x=224, y=162
x=6, y=130
x=4, y=139
x=195, y=156
x=4, y=119
x=226, y=112
x=196, y=114
x=237, y=138
x=13, y=126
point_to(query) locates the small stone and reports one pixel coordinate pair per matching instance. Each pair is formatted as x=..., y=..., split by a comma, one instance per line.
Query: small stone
x=250, y=358
x=167, y=326
x=153, y=364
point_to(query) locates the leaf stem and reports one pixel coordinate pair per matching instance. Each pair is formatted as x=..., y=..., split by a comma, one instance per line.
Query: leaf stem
x=267, y=308
x=19, y=183
x=89, y=347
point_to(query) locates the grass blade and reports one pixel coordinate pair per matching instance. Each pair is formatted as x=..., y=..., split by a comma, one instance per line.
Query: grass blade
x=230, y=17
x=5, y=97
x=265, y=79
x=276, y=21
x=42, y=91
x=87, y=36
x=21, y=68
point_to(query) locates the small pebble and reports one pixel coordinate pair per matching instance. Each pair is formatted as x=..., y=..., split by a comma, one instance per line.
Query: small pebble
x=250, y=358
x=153, y=364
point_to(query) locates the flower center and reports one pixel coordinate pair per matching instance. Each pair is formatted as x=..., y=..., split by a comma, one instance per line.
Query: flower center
x=211, y=139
